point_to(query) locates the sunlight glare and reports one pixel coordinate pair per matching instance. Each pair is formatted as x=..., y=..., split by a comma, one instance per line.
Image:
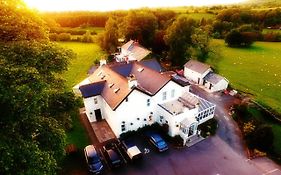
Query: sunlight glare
x=107, y=5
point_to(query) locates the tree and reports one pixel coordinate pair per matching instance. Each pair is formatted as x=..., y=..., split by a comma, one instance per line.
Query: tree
x=140, y=26
x=200, y=41
x=238, y=39
x=178, y=38
x=109, y=39
x=18, y=23
x=32, y=137
x=262, y=138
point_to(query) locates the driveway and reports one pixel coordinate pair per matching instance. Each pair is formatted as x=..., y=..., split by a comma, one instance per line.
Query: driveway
x=209, y=157
x=228, y=130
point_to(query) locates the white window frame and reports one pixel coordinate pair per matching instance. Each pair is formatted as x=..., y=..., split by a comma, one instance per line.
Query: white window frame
x=173, y=93
x=164, y=96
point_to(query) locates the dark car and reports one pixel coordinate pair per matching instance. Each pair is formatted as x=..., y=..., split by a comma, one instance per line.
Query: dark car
x=112, y=155
x=93, y=159
x=157, y=141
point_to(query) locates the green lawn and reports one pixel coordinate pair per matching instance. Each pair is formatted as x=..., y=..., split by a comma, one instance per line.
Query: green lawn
x=199, y=16
x=264, y=31
x=255, y=70
x=86, y=53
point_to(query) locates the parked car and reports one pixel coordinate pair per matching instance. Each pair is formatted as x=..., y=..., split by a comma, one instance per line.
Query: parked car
x=112, y=155
x=131, y=150
x=93, y=160
x=157, y=141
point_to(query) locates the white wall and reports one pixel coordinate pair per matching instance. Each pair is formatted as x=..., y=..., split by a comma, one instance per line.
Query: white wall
x=192, y=75
x=174, y=120
x=136, y=110
x=221, y=85
x=90, y=107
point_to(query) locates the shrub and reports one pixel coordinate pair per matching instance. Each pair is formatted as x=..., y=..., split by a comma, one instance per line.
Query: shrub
x=64, y=37
x=208, y=128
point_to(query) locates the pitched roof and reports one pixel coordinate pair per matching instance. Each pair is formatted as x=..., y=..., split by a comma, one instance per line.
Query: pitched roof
x=213, y=78
x=197, y=66
x=92, y=89
x=115, y=82
x=135, y=50
x=152, y=64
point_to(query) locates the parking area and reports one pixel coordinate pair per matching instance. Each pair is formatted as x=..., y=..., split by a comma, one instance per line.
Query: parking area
x=211, y=156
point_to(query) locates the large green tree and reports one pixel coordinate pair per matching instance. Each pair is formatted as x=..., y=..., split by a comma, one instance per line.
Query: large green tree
x=32, y=135
x=109, y=39
x=141, y=26
x=178, y=38
x=186, y=40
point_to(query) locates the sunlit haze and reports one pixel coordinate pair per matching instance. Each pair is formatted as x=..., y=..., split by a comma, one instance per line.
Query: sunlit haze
x=107, y=5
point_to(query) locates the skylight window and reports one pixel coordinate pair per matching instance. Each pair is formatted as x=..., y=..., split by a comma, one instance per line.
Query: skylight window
x=116, y=90
x=110, y=85
x=102, y=77
x=140, y=69
x=100, y=72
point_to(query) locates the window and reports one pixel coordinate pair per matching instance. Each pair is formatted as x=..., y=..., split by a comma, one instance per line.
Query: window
x=144, y=119
x=95, y=100
x=131, y=123
x=148, y=102
x=138, y=118
x=173, y=93
x=164, y=96
x=123, y=127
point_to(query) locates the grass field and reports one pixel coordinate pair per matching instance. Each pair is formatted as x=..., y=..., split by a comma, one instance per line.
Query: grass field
x=86, y=53
x=77, y=71
x=199, y=16
x=255, y=70
x=264, y=31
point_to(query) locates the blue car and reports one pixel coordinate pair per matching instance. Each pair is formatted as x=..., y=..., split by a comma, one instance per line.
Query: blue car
x=157, y=141
x=93, y=160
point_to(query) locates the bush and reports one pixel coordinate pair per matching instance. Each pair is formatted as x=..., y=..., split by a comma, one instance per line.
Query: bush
x=64, y=37
x=239, y=39
x=53, y=37
x=208, y=128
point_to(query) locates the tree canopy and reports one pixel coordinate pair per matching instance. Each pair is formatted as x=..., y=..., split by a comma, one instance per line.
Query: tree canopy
x=31, y=93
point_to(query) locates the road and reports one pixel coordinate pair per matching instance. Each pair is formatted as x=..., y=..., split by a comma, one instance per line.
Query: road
x=229, y=132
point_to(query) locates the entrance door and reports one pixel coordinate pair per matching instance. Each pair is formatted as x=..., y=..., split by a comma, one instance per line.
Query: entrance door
x=210, y=87
x=98, y=115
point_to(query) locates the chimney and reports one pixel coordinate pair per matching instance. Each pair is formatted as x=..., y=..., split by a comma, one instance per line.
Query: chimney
x=102, y=62
x=132, y=81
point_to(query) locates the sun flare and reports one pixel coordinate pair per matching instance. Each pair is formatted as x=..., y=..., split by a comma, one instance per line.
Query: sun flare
x=107, y=5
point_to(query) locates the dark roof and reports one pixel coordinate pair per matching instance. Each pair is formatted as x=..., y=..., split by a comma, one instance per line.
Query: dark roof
x=180, y=80
x=122, y=68
x=115, y=81
x=93, y=89
x=152, y=64
x=92, y=69
x=213, y=78
x=197, y=66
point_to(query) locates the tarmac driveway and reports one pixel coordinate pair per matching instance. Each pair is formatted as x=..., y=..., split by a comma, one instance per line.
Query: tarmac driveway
x=209, y=157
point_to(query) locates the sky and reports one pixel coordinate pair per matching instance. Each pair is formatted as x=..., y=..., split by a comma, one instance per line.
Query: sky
x=107, y=5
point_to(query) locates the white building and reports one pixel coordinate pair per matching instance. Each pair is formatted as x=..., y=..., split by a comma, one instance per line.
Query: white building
x=132, y=51
x=202, y=74
x=131, y=95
